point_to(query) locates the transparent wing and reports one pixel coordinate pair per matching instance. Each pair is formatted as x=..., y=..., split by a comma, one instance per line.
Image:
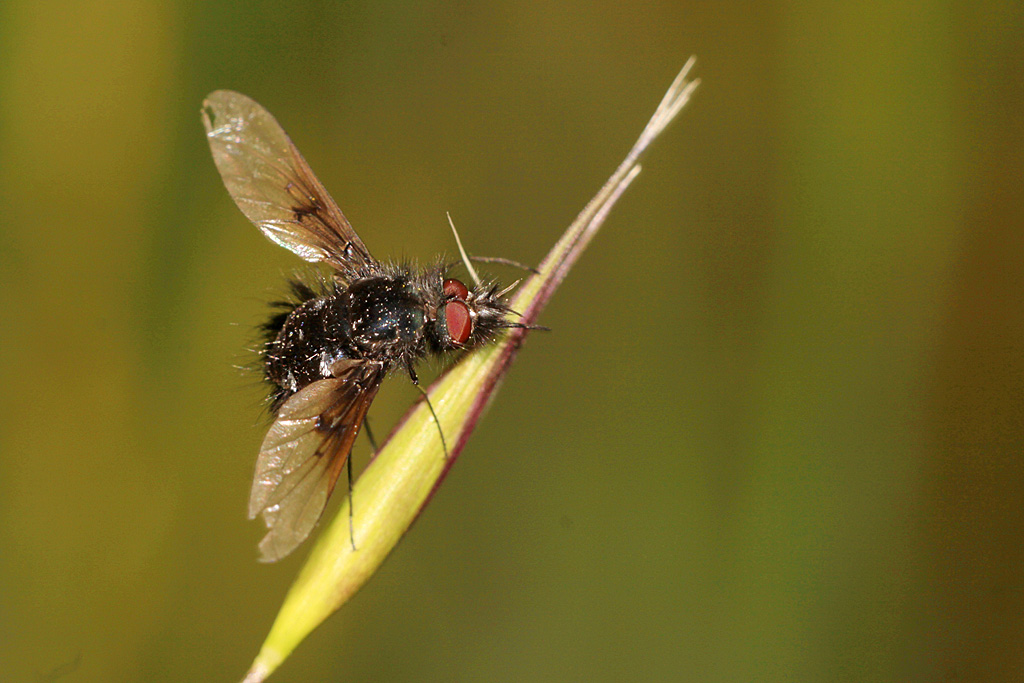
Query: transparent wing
x=305, y=451
x=273, y=185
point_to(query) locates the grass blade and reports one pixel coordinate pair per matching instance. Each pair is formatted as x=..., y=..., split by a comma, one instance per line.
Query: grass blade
x=400, y=480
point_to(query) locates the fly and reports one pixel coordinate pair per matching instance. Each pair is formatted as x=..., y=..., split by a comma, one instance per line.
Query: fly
x=327, y=350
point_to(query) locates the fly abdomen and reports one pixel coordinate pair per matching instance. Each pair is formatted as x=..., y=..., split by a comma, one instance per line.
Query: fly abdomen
x=309, y=342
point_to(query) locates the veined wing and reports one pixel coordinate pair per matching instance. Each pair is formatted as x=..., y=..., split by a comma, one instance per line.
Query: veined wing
x=274, y=187
x=305, y=451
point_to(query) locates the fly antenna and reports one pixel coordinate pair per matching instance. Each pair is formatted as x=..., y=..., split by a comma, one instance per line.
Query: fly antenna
x=465, y=259
x=508, y=289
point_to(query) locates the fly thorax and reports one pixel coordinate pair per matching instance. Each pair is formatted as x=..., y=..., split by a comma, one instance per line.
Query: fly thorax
x=384, y=315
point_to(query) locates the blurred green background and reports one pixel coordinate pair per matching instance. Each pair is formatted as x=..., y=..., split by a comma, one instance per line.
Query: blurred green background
x=775, y=434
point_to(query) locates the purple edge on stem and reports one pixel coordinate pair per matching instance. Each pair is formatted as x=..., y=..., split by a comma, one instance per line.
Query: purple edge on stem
x=552, y=271
x=580, y=232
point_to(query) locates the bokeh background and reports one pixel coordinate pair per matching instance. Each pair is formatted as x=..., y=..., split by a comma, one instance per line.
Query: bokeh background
x=775, y=434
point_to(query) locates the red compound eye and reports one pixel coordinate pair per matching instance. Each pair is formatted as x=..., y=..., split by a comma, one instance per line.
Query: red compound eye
x=456, y=289
x=458, y=320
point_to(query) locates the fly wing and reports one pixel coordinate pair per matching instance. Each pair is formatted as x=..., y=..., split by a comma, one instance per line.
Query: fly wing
x=274, y=187
x=304, y=452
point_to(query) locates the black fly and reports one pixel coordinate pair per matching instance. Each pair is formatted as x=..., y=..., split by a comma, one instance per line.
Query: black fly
x=328, y=350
